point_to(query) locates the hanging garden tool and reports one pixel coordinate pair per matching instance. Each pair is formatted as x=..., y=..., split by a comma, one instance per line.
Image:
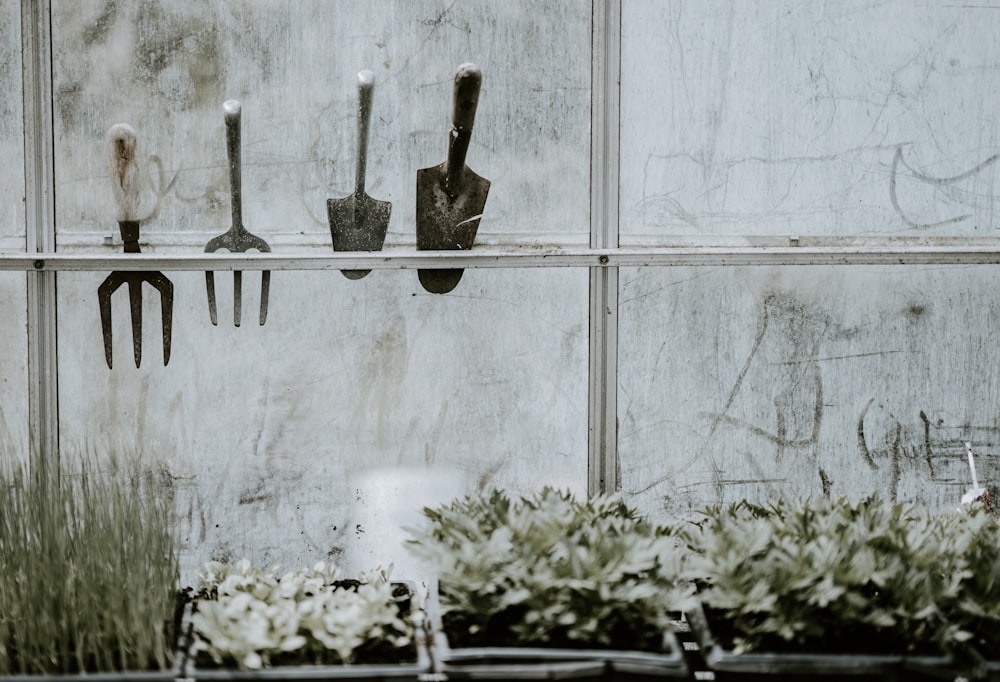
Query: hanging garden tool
x=237, y=239
x=125, y=185
x=450, y=196
x=358, y=222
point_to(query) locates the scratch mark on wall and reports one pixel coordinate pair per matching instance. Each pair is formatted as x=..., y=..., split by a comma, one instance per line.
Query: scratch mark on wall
x=780, y=439
x=160, y=185
x=896, y=469
x=862, y=441
x=927, y=441
x=258, y=494
x=825, y=481
x=851, y=356
x=720, y=416
x=489, y=473
x=898, y=160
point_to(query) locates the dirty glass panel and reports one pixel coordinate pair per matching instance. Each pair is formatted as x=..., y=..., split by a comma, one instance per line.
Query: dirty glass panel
x=806, y=118
x=13, y=311
x=11, y=131
x=167, y=67
x=755, y=383
x=13, y=368
x=262, y=430
x=284, y=442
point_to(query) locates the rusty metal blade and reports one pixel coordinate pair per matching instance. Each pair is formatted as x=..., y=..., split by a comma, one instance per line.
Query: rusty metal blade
x=450, y=197
x=446, y=222
x=135, y=304
x=265, y=291
x=166, y=289
x=104, y=292
x=237, y=297
x=210, y=288
x=358, y=223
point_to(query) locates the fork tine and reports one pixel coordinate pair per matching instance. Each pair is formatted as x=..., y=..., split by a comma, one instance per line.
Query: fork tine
x=237, y=297
x=265, y=288
x=104, y=299
x=166, y=288
x=135, y=303
x=210, y=286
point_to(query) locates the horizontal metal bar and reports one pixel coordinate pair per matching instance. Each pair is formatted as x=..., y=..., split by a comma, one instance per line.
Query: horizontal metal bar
x=517, y=258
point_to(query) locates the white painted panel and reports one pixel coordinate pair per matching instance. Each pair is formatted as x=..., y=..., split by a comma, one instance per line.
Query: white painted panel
x=849, y=119
x=755, y=383
x=809, y=118
x=167, y=67
x=13, y=311
x=11, y=130
x=13, y=368
x=260, y=429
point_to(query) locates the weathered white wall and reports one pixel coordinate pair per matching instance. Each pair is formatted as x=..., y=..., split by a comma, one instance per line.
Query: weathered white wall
x=11, y=131
x=743, y=121
x=13, y=360
x=784, y=117
x=259, y=430
x=167, y=67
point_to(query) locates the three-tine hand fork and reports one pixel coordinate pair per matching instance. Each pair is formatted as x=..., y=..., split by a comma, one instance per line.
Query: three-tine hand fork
x=124, y=183
x=237, y=239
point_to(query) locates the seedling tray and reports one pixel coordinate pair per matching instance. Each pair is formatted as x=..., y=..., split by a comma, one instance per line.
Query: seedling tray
x=541, y=663
x=778, y=666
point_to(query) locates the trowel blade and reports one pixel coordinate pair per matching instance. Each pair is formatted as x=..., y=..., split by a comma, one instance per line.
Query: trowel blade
x=447, y=221
x=358, y=223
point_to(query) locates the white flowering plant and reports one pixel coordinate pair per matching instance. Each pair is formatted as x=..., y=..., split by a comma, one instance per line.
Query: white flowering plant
x=252, y=618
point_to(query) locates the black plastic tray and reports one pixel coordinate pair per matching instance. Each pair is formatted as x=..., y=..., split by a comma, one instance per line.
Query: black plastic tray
x=799, y=665
x=542, y=663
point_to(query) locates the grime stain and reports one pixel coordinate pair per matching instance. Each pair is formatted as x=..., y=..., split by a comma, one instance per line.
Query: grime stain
x=98, y=31
x=258, y=494
x=915, y=311
x=825, y=481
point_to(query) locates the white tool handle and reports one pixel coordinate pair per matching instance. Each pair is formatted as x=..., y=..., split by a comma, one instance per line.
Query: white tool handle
x=124, y=171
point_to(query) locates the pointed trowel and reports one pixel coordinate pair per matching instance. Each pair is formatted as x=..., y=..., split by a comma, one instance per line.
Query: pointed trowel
x=450, y=196
x=358, y=222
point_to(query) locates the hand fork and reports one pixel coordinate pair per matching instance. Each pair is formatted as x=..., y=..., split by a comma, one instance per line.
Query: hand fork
x=124, y=172
x=237, y=239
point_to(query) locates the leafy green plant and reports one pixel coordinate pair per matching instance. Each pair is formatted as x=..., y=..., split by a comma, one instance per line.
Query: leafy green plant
x=90, y=571
x=254, y=619
x=550, y=570
x=792, y=575
x=974, y=545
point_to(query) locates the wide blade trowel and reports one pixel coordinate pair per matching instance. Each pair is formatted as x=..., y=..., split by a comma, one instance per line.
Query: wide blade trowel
x=450, y=196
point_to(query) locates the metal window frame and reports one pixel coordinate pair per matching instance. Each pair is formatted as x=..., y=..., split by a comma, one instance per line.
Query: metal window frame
x=40, y=235
x=603, y=257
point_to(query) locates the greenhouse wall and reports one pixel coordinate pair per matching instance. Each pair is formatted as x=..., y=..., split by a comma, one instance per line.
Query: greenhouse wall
x=613, y=124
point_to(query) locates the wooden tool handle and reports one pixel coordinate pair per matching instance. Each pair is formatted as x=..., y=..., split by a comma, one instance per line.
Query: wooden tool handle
x=124, y=171
x=232, y=109
x=366, y=85
x=468, y=79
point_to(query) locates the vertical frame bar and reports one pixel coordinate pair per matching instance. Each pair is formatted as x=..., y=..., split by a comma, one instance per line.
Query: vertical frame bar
x=603, y=467
x=40, y=234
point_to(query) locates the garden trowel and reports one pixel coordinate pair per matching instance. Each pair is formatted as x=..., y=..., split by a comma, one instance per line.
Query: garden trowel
x=450, y=196
x=358, y=222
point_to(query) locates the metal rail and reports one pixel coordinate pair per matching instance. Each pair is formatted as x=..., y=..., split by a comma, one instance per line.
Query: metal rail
x=635, y=257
